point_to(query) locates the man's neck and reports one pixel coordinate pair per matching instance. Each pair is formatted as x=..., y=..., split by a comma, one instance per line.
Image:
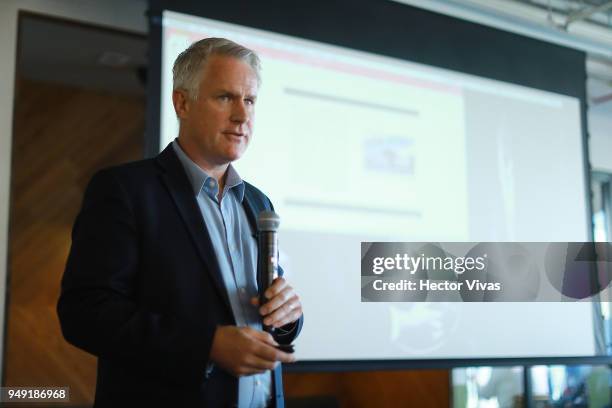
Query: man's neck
x=218, y=172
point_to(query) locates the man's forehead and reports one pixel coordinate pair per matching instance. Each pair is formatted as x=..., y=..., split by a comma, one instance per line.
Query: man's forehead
x=230, y=69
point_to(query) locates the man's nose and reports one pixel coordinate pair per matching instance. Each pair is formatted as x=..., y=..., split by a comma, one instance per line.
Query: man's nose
x=240, y=112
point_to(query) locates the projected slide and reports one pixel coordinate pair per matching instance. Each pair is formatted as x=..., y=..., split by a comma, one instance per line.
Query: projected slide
x=355, y=147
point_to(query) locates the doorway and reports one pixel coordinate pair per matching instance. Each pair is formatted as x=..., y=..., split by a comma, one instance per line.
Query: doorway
x=79, y=107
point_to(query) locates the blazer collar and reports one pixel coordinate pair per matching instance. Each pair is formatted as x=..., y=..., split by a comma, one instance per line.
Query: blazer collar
x=178, y=185
x=251, y=209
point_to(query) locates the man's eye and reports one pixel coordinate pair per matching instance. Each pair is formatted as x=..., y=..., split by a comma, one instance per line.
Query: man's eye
x=250, y=101
x=224, y=98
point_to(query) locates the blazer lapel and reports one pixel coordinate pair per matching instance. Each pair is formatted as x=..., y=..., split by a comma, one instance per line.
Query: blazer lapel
x=177, y=183
x=251, y=210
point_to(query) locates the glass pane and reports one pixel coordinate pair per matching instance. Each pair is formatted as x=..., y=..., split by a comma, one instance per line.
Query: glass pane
x=487, y=387
x=571, y=386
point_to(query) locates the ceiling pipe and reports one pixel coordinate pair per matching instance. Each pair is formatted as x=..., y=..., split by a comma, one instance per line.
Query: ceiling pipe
x=522, y=19
x=586, y=13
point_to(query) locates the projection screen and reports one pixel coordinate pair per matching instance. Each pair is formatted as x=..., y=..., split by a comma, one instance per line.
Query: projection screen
x=351, y=146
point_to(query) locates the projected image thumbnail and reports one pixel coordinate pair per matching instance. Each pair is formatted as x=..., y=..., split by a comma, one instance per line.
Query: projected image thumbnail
x=392, y=154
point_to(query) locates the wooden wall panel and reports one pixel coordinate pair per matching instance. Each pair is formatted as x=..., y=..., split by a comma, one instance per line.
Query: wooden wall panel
x=417, y=388
x=61, y=136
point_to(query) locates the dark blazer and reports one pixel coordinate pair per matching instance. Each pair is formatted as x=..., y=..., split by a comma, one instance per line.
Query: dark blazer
x=143, y=292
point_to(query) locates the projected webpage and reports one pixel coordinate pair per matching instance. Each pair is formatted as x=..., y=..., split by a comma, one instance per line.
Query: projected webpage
x=354, y=147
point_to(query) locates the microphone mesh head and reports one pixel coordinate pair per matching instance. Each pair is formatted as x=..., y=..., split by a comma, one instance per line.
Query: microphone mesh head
x=268, y=221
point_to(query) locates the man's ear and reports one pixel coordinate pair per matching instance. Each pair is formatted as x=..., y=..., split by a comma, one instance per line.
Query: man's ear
x=180, y=100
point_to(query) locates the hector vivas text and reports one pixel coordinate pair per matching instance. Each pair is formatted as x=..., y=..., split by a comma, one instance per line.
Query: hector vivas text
x=408, y=265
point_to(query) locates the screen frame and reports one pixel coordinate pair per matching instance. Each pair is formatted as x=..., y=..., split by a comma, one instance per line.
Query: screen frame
x=452, y=44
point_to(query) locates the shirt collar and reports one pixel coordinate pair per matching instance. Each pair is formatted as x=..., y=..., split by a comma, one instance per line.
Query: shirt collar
x=200, y=180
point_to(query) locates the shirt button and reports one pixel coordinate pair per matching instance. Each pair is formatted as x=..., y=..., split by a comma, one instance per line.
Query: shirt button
x=242, y=290
x=257, y=383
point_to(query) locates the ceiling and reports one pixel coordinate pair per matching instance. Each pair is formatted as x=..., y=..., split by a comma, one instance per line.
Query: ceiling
x=580, y=24
x=82, y=55
x=110, y=60
x=597, y=12
x=563, y=15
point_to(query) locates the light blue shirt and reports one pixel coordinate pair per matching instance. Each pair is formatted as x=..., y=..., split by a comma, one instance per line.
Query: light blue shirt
x=235, y=246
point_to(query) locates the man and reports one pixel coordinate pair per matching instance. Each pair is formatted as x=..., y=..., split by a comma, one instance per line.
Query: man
x=160, y=283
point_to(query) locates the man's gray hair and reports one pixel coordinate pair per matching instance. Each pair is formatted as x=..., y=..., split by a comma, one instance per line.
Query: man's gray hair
x=188, y=65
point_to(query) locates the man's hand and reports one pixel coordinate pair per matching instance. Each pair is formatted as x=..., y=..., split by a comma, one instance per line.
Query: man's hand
x=283, y=305
x=245, y=351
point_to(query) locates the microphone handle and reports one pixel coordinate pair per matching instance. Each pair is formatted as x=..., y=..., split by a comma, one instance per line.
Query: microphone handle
x=267, y=265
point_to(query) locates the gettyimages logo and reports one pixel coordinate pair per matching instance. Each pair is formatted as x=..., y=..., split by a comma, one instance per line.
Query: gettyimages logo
x=411, y=263
x=484, y=272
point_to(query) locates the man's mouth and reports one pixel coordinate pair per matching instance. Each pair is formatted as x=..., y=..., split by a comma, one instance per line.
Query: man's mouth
x=237, y=134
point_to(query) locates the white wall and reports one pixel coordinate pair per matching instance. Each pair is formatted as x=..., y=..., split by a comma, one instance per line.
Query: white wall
x=600, y=144
x=123, y=14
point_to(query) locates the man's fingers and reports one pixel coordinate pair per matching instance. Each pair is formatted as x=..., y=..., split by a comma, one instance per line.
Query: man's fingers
x=266, y=350
x=284, y=305
x=283, y=314
x=285, y=357
x=277, y=301
x=277, y=286
x=270, y=353
x=255, y=362
x=288, y=318
x=246, y=351
x=262, y=336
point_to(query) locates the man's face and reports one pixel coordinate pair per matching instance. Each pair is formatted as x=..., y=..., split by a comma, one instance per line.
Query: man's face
x=219, y=123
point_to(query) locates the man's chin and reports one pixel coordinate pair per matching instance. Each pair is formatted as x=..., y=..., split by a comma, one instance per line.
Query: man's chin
x=233, y=156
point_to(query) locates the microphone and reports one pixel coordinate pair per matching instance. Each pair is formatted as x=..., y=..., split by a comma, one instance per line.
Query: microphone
x=267, y=260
